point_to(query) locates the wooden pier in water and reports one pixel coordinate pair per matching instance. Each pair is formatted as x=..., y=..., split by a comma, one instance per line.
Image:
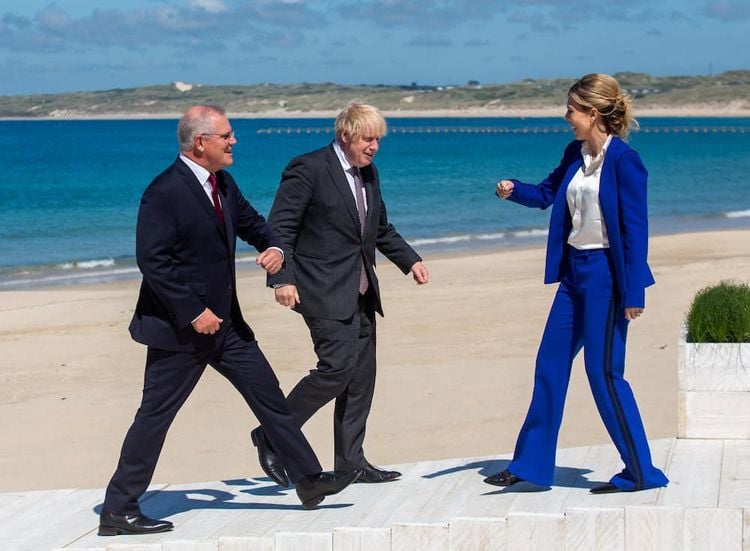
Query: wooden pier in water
x=510, y=130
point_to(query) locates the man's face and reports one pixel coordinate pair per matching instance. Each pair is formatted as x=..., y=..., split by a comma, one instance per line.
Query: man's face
x=217, y=146
x=361, y=151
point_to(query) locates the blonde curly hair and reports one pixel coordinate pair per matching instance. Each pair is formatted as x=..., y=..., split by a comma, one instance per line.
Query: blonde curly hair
x=357, y=119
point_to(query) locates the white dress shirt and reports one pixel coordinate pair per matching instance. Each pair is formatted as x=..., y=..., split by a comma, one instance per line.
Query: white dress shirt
x=202, y=174
x=589, y=230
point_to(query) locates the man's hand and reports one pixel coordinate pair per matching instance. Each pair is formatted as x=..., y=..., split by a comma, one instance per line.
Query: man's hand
x=207, y=323
x=287, y=295
x=270, y=260
x=419, y=273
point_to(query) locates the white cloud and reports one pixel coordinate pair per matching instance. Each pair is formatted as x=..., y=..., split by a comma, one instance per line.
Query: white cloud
x=213, y=6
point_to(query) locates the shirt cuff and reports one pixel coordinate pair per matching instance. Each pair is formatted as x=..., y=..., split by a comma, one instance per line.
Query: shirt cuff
x=280, y=250
x=196, y=318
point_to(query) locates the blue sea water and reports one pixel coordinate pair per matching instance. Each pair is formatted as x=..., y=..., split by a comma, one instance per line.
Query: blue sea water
x=70, y=189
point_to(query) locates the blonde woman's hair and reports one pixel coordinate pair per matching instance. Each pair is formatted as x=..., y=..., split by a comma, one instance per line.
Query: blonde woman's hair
x=602, y=92
x=357, y=119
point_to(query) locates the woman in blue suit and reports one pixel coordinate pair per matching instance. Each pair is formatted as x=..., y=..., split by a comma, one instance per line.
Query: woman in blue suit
x=596, y=250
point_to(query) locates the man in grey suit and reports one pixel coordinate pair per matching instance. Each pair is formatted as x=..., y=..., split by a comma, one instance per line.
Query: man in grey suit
x=330, y=217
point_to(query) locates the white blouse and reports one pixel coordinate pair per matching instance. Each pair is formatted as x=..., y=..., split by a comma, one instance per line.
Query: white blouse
x=589, y=230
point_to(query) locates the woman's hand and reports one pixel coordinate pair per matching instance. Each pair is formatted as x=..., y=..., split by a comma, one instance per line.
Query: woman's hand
x=632, y=313
x=504, y=189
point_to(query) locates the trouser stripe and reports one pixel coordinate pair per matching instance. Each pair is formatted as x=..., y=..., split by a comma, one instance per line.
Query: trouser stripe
x=619, y=412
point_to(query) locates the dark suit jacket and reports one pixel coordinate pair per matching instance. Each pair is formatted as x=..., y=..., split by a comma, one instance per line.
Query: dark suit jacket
x=187, y=261
x=622, y=196
x=315, y=215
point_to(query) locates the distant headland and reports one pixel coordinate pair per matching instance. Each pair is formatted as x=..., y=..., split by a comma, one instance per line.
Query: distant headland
x=726, y=94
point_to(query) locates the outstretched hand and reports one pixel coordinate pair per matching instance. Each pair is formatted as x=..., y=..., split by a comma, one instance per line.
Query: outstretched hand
x=504, y=189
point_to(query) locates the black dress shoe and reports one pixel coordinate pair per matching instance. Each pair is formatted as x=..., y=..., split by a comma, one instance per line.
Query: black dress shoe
x=111, y=524
x=371, y=474
x=503, y=478
x=607, y=488
x=269, y=461
x=313, y=488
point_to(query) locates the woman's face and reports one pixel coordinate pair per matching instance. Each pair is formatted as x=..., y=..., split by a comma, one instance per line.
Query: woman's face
x=582, y=121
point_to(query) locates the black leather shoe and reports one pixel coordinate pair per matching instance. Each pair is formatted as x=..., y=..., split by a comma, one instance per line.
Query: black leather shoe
x=111, y=524
x=312, y=489
x=371, y=474
x=503, y=478
x=607, y=488
x=269, y=461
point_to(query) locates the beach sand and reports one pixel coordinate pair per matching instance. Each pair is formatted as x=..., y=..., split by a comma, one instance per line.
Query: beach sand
x=455, y=370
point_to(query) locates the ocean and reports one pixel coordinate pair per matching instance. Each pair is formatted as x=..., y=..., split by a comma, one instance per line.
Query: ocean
x=70, y=189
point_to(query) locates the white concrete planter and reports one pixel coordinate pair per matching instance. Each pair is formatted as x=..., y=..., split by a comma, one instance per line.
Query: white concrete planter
x=714, y=389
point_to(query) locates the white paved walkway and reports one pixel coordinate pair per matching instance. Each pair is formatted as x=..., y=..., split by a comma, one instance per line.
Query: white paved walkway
x=437, y=505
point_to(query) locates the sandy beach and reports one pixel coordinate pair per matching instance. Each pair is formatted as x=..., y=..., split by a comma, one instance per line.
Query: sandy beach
x=455, y=367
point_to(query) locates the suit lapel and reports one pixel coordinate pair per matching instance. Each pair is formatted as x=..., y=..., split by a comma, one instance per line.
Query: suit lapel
x=342, y=185
x=226, y=208
x=608, y=181
x=196, y=189
x=370, y=193
x=560, y=217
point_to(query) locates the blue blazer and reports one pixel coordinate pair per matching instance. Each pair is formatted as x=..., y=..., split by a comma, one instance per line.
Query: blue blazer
x=622, y=196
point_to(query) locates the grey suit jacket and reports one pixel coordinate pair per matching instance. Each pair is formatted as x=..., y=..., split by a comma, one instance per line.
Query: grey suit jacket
x=315, y=216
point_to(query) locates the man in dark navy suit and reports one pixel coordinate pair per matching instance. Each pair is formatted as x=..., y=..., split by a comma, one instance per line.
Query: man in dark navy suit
x=189, y=317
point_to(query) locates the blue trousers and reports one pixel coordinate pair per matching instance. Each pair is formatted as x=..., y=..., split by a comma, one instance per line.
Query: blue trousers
x=586, y=313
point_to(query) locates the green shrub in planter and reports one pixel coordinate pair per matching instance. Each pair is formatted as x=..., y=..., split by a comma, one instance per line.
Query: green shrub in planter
x=720, y=313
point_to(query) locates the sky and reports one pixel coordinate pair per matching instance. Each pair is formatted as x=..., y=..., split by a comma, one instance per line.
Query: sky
x=79, y=45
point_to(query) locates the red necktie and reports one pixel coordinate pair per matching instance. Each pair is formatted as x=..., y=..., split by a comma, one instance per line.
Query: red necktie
x=215, y=198
x=360, y=200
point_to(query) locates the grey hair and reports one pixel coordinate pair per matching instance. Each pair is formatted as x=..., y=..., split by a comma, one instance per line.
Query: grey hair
x=197, y=120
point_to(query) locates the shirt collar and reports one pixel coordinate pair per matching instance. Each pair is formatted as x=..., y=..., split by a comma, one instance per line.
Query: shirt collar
x=201, y=173
x=590, y=163
x=345, y=164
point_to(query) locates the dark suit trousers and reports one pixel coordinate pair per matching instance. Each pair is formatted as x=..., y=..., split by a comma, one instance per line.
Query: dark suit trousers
x=345, y=372
x=170, y=378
